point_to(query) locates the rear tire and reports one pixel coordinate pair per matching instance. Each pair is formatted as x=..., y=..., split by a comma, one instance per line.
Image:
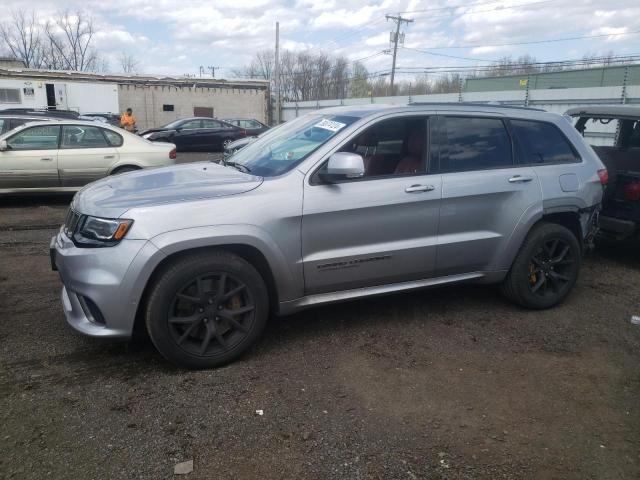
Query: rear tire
x=207, y=309
x=545, y=269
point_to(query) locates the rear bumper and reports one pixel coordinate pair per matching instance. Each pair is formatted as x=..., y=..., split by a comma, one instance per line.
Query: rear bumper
x=617, y=227
x=101, y=286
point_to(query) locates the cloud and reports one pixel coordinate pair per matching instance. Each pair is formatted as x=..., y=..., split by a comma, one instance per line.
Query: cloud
x=177, y=36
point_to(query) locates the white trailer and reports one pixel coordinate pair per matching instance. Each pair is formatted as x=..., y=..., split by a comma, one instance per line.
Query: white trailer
x=80, y=96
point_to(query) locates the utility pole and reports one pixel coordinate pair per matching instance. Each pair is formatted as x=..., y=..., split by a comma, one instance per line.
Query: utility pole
x=396, y=39
x=276, y=73
x=213, y=70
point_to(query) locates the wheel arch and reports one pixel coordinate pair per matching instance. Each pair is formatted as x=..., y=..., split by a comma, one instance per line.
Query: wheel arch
x=569, y=219
x=248, y=252
x=567, y=216
x=128, y=164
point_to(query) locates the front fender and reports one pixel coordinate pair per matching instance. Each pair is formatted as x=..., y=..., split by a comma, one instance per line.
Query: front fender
x=289, y=281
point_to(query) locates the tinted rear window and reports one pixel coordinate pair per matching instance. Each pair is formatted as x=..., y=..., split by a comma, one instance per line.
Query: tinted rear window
x=474, y=144
x=542, y=143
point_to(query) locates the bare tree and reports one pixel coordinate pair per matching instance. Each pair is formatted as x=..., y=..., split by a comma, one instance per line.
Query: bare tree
x=69, y=36
x=359, y=86
x=128, y=63
x=21, y=35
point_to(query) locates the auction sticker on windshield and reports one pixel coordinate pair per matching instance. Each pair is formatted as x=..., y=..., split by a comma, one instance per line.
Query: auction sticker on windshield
x=330, y=125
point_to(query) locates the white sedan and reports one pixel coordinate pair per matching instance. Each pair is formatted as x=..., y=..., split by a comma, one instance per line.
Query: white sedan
x=65, y=155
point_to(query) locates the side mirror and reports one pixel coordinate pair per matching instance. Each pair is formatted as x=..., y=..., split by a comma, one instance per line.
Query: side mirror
x=343, y=166
x=3, y=145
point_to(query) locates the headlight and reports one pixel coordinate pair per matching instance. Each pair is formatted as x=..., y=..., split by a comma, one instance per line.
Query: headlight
x=101, y=232
x=147, y=136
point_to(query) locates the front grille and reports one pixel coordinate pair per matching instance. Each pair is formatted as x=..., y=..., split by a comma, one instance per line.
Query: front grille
x=71, y=222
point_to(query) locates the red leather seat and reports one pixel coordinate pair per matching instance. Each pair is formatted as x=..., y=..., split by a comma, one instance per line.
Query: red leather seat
x=413, y=161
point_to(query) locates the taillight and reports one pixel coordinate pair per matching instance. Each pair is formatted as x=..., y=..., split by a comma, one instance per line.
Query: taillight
x=603, y=175
x=243, y=132
x=172, y=154
x=632, y=191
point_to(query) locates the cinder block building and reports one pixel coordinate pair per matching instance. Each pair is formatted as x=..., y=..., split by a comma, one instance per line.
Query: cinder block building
x=155, y=100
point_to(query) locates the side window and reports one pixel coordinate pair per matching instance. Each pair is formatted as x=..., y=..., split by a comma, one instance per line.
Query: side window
x=211, y=124
x=43, y=137
x=81, y=136
x=396, y=146
x=474, y=144
x=191, y=125
x=113, y=138
x=248, y=124
x=542, y=143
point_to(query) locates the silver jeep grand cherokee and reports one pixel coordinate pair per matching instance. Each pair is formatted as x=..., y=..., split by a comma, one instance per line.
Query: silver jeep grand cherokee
x=338, y=204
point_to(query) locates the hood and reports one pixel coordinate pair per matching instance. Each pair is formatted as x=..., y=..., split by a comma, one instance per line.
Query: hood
x=114, y=195
x=156, y=130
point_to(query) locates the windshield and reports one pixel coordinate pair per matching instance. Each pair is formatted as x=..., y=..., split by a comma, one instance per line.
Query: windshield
x=281, y=149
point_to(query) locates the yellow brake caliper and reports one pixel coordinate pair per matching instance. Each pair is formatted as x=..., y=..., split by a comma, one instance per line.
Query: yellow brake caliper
x=533, y=278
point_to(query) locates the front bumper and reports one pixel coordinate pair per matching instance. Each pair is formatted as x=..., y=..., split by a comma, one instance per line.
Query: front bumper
x=102, y=286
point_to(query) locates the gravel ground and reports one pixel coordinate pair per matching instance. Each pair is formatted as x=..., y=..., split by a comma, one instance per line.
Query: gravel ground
x=450, y=383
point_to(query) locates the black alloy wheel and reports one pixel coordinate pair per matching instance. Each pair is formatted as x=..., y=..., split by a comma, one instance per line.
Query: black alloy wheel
x=551, y=268
x=206, y=309
x=211, y=314
x=545, y=269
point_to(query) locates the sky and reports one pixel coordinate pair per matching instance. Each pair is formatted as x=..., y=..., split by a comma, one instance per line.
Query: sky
x=178, y=36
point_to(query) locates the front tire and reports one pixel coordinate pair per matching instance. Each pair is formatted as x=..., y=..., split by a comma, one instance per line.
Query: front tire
x=207, y=309
x=545, y=269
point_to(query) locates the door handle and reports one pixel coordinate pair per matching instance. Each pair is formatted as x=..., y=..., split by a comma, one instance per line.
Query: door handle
x=46, y=159
x=520, y=179
x=108, y=157
x=419, y=188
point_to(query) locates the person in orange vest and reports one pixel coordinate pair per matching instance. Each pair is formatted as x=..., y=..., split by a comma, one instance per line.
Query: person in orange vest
x=128, y=121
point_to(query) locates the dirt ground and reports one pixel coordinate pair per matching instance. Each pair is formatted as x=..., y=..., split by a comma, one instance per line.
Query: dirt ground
x=450, y=383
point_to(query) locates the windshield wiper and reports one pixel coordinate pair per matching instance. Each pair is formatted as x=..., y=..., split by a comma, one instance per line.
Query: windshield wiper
x=237, y=166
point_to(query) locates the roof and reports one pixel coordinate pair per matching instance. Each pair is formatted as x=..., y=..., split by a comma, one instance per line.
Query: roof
x=372, y=109
x=605, y=111
x=35, y=74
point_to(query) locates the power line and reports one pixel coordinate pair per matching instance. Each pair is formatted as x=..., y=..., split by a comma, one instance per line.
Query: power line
x=566, y=39
x=448, y=56
x=495, y=9
x=451, y=7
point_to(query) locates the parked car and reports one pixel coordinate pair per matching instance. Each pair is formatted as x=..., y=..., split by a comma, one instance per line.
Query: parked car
x=236, y=145
x=196, y=134
x=64, y=155
x=9, y=122
x=233, y=147
x=45, y=112
x=110, y=118
x=252, y=126
x=338, y=204
x=620, y=216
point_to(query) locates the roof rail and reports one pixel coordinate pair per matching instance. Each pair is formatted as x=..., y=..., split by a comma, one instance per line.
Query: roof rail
x=476, y=104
